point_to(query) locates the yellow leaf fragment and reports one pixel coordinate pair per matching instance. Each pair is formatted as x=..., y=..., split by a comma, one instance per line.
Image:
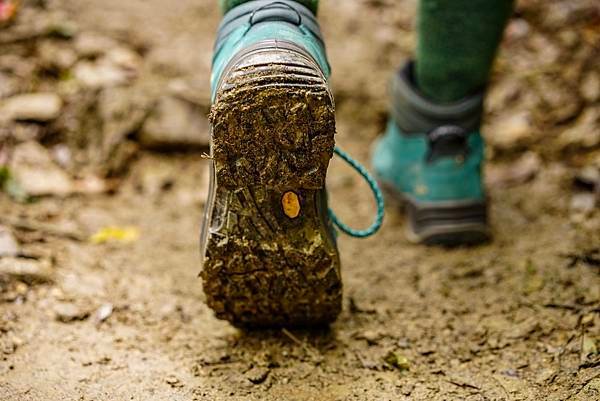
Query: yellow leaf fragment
x=115, y=234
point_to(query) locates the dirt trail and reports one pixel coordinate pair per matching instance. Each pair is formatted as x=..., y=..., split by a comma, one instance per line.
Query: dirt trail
x=511, y=320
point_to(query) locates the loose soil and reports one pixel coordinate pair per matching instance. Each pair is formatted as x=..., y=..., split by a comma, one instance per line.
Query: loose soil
x=510, y=320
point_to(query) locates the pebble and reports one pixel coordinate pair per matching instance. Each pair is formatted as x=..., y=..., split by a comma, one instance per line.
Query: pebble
x=30, y=271
x=175, y=123
x=588, y=178
x=8, y=243
x=101, y=74
x=67, y=313
x=520, y=171
x=103, y=313
x=511, y=131
x=257, y=375
x=124, y=58
x=53, y=54
x=42, y=107
x=510, y=372
x=36, y=173
x=590, y=86
x=92, y=44
x=583, y=202
x=372, y=337
x=584, y=133
x=174, y=382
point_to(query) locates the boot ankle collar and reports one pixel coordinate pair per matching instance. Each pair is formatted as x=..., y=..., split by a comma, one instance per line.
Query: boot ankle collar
x=416, y=114
x=258, y=11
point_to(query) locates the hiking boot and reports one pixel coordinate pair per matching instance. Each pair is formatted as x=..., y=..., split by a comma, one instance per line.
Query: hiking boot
x=431, y=157
x=269, y=247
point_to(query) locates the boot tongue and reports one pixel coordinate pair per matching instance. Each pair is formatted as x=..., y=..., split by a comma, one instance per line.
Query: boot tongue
x=447, y=141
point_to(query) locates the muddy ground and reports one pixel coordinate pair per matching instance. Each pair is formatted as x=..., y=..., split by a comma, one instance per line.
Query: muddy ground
x=98, y=319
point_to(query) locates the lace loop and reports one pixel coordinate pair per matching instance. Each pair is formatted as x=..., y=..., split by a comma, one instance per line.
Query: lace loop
x=376, y=193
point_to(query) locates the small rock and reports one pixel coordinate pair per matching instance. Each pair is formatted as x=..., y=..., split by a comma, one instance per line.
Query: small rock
x=31, y=106
x=545, y=375
x=37, y=174
x=426, y=350
x=9, y=85
x=18, y=342
x=502, y=94
x=29, y=271
x=124, y=57
x=584, y=133
x=569, y=38
x=590, y=86
x=103, y=313
x=560, y=100
x=583, y=202
x=545, y=48
x=7, y=348
x=56, y=55
x=122, y=110
x=92, y=44
x=100, y=74
x=512, y=131
x=63, y=155
x=257, y=375
x=8, y=243
x=24, y=132
x=510, y=373
x=517, y=29
x=175, y=123
x=195, y=91
x=90, y=185
x=370, y=336
x=174, y=382
x=67, y=313
x=517, y=172
x=587, y=320
x=588, y=178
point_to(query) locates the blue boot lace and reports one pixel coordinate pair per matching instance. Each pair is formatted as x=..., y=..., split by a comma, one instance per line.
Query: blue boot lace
x=376, y=193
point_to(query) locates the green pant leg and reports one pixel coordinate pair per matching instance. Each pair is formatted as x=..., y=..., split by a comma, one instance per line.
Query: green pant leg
x=227, y=5
x=457, y=44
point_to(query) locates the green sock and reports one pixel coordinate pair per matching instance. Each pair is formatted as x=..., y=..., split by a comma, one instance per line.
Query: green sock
x=457, y=44
x=227, y=5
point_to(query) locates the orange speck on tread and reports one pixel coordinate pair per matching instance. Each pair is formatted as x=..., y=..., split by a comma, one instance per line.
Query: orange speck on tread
x=290, y=204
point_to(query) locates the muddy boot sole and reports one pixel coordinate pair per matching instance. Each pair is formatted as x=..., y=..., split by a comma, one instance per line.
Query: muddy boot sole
x=270, y=257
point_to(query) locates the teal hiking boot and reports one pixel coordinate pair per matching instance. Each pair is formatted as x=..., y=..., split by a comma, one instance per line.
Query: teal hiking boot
x=269, y=248
x=431, y=156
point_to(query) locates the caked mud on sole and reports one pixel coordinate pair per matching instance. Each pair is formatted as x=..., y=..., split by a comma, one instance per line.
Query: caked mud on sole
x=270, y=259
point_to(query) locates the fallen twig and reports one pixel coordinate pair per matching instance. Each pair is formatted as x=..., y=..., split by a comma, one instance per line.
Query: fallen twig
x=508, y=397
x=309, y=350
x=292, y=337
x=463, y=384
